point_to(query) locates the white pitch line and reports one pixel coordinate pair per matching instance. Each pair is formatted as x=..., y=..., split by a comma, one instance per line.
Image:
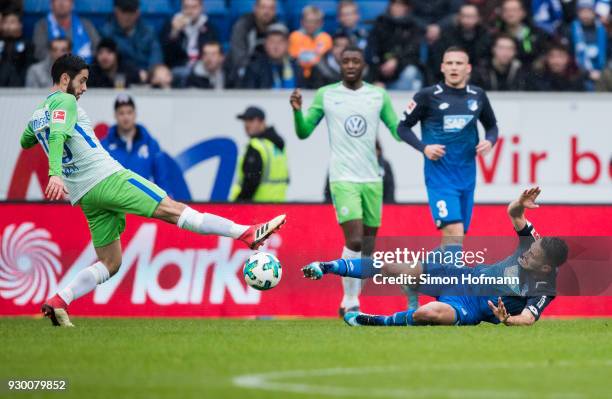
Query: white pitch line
x=269, y=381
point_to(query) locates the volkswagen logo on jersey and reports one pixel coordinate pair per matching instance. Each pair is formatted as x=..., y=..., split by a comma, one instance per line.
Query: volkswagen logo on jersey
x=456, y=123
x=355, y=125
x=472, y=105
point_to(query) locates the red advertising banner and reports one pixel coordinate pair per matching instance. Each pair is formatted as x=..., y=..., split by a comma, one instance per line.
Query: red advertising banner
x=169, y=272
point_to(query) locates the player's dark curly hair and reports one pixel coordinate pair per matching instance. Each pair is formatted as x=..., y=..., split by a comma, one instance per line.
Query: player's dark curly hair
x=352, y=47
x=68, y=63
x=555, y=250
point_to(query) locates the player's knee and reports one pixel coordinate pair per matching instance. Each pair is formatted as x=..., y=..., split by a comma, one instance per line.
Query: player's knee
x=354, y=244
x=453, y=230
x=424, y=315
x=112, y=264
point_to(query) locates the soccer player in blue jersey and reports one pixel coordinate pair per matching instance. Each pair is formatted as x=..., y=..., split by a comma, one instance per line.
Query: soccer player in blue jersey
x=534, y=263
x=448, y=113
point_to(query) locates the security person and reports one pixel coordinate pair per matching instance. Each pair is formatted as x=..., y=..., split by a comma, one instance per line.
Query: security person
x=263, y=171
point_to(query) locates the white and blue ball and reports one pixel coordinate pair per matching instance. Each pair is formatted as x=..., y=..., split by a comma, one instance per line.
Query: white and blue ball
x=262, y=271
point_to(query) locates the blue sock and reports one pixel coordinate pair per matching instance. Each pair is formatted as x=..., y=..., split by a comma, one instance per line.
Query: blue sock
x=401, y=319
x=357, y=268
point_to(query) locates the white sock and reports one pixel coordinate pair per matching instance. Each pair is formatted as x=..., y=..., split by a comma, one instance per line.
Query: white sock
x=85, y=282
x=207, y=223
x=351, y=286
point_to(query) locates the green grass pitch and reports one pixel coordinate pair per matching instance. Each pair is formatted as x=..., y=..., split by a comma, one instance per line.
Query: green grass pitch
x=238, y=358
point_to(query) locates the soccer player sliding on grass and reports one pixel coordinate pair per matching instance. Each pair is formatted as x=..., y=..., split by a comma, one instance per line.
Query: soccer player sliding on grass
x=535, y=264
x=105, y=191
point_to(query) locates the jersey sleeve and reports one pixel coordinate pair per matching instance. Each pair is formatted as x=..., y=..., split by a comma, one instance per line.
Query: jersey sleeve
x=388, y=116
x=63, y=115
x=28, y=138
x=488, y=120
x=63, y=120
x=527, y=236
x=416, y=110
x=537, y=304
x=306, y=124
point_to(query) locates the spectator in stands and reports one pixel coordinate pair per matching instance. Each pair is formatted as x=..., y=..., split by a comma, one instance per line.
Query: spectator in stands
x=515, y=22
x=39, y=74
x=136, y=40
x=274, y=69
x=263, y=170
x=558, y=72
x=327, y=71
x=63, y=22
x=184, y=36
x=109, y=70
x=16, y=52
x=588, y=39
x=394, y=47
x=434, y=15
x=504, y=72
x=248, y=34
x=133, y=146
x=468, y=33
x=161, y=77
x=310, y=42
x=605, y=82
x=209, y=71
x=348, y=23
x=547, y=14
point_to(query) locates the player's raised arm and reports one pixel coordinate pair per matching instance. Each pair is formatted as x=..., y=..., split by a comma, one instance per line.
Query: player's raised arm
x=388, y=116
x=412, y=115
x=306, y=124
x=489, y=122
x=516, y=209
x=28, y=138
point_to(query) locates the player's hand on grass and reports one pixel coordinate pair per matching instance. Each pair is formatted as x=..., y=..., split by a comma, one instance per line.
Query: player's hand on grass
x=500, y=310
x=55, y=189
x=484, y=147
x=296, y=100
x=434, y=151
x=528, y=198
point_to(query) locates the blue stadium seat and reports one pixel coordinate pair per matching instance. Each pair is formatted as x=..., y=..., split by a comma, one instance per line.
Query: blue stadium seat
x=219, y=16
x=94, y=6
x=371, y=9
x=156, y=7
x=36, y=6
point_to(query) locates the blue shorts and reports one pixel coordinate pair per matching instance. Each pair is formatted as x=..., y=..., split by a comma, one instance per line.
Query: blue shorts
x=451, y=205
x=469, y=310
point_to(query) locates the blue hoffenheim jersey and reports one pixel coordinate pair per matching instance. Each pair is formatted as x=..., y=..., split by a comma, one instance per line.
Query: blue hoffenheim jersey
x=449, y=117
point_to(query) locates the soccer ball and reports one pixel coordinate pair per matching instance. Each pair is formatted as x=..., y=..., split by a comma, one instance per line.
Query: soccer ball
x=262, y=271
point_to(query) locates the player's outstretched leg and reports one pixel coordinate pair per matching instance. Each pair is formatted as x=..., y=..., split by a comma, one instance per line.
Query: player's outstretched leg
x=206, y=223
x=397, y=319
x=356, y=268
x=56, y=307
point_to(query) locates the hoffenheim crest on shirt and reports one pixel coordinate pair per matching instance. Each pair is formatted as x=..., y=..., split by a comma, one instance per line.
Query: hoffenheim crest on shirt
x=472, y=105
x=355, y=125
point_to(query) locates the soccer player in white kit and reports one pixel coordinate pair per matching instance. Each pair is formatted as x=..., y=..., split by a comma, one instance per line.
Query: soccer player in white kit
x=353, y=110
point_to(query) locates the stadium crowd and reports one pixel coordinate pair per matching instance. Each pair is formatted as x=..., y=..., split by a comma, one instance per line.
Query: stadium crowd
x=515, y=45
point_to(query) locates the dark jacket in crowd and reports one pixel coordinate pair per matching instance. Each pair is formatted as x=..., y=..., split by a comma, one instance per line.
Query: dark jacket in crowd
x=532, y=43
x=200, y=78
x=514, y=78
x=359, y=36
x=125, y=71
x=393, y=38
x=175, y=50
x=545, y=80
x=327, y=71
x=252, y=166
x=246, y=40
x=16, y=55
x=263, y=73
x=439, y=12
x=139, y=47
